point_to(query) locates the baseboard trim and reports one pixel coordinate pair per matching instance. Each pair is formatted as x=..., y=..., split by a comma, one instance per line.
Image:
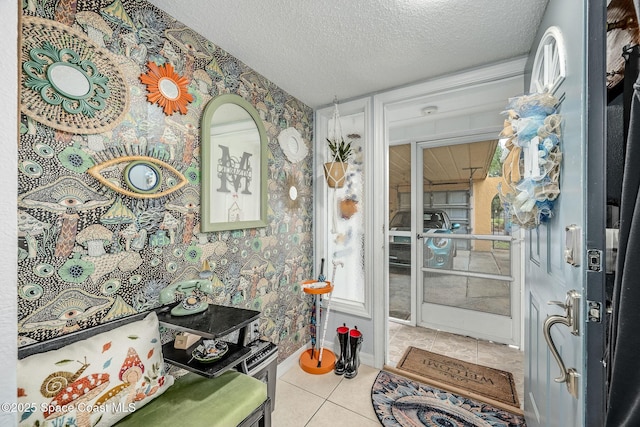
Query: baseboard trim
x=290, y=361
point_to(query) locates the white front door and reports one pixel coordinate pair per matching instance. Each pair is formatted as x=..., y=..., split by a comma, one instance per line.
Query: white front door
x=468, y=264
x=563, y=282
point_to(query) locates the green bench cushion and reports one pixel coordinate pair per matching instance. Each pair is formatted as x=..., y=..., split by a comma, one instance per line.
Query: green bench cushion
x=194, y=400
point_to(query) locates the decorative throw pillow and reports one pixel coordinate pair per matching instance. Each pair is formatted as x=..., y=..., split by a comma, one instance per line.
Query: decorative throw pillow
x=96, y=381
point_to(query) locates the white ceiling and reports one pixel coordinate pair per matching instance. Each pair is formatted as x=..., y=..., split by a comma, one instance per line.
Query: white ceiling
x=318, y=50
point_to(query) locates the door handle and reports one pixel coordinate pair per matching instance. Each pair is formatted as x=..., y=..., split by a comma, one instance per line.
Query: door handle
x=571, y=320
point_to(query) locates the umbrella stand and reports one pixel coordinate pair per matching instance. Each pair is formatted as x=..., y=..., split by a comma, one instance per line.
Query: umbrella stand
x=309, y=359
x=312, y=325
x=326, y=319
x=313, y=329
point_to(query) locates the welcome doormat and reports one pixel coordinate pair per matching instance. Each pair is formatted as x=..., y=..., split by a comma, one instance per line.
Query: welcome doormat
x=490, y=385
x=399, y=401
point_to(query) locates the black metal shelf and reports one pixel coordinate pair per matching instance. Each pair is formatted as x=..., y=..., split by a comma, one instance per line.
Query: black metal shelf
x=215, y=322
x=182, y=358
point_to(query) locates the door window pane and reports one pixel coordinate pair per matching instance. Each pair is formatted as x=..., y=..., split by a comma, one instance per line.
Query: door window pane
x=400, y=231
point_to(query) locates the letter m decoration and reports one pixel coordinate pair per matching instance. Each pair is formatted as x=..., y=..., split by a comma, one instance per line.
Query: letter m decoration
x=234, y=165
x=232, y=170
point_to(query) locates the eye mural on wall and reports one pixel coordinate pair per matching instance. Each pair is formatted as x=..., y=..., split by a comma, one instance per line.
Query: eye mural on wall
x=89, y=253
x=68, y=82
x=144, y=177
x=65, y=79
x=65, y=196
x=191, y=45
x=69, y=307
x=166, y=88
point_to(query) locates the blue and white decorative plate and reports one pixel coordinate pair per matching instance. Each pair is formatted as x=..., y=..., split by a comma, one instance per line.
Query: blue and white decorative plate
x=210, y=351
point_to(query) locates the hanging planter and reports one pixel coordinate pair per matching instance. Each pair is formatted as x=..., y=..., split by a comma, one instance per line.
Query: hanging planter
x=335, y=173
x=336, y=170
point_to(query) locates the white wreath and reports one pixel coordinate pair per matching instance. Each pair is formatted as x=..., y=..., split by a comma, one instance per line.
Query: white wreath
x=531, y=161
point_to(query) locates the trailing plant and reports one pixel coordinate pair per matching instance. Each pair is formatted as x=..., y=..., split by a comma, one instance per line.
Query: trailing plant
x=341, y=150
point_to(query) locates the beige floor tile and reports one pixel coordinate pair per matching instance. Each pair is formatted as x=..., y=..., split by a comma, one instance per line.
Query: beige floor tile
x=490, y=353
x=355, y=393
x=503, y=357
x=505, y=362
x=295, y=406
x=416, y=336
x=405, y=337
x=394, y=327
x=459, y=347
x=334, y=415
x=320, y=385
x=394, y=356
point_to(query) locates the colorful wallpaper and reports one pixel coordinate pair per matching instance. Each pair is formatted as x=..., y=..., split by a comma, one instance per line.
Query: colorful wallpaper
x=90, y=252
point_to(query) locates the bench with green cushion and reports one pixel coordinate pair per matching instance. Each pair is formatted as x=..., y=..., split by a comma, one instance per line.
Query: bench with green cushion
x=120, y=361
x=193, y=400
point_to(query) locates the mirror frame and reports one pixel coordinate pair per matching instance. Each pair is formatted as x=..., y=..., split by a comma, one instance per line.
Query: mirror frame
x=94, y=171
x=208, y=169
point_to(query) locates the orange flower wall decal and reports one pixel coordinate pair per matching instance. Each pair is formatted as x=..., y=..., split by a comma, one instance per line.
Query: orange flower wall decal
x=166, y=88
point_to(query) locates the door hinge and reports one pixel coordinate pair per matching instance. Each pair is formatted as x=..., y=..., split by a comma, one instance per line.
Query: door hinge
x=594, y=260
x=594, y=311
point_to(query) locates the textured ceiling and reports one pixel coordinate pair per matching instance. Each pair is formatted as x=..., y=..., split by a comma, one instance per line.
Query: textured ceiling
x=316, y=50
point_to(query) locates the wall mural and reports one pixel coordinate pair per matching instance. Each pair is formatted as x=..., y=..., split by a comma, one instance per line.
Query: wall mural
x=112, y=94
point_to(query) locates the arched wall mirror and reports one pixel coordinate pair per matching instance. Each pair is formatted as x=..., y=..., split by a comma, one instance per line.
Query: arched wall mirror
x=234, y=166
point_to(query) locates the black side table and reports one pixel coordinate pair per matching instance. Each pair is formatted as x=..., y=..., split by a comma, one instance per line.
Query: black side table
x=217, y=321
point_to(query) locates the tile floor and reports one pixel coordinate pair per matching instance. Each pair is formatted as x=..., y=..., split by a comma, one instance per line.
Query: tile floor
x=305, y=400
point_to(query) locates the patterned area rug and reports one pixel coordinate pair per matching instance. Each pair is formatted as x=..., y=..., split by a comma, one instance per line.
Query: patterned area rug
x=489, y=385
x=399, y=401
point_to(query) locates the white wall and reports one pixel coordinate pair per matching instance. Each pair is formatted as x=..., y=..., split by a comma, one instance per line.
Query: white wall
x=8, y=206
